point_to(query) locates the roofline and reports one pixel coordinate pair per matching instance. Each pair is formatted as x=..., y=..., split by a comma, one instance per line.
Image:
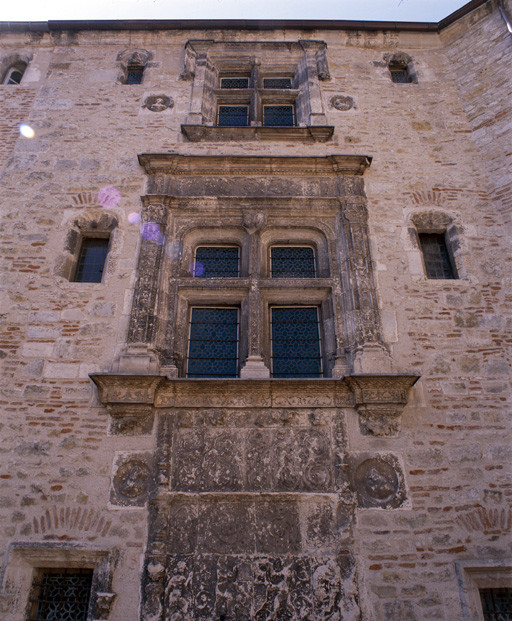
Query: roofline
x=236, y=24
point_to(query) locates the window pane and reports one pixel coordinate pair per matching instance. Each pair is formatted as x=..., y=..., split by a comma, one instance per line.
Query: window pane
x=213, y=343
x=134, y=75
x=234, y=116
x=436, y=257
x=295, y=342
x=496, y=604
x=292, y=262
x=234, y=82
x=15, y=77
x=216, y=261
x=92, y=260
x=277, y=82
x=399, y=76
x=62, y=595
x=278, y=115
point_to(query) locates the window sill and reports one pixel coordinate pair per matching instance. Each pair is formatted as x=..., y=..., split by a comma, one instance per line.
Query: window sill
x=312, y=133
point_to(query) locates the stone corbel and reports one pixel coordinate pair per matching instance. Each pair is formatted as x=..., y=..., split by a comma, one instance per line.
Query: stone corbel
x=380, y=400
x=104, y=603
x=129, y=400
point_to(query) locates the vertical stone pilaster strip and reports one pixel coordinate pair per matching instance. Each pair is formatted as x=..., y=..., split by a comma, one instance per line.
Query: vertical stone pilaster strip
x=310, y=66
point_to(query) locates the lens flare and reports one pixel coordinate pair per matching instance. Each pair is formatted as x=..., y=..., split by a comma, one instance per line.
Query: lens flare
x=134, y=217
x=173, y=250
x=197, y=269
x=109, y=197
x=151, y=232
x=26, y=131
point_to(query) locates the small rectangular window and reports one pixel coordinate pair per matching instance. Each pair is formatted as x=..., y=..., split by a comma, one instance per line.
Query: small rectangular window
x=278, y=116
x=213, y=343
x=496, y=604
x=292, y=262
x=277, y=82
x=295, y=334
x=91, y=261
x=234, y=82
x=436, y=257
x=399, y=75
x=217, y=262
x=233, y=116
x=61, y=594
x=134, y=75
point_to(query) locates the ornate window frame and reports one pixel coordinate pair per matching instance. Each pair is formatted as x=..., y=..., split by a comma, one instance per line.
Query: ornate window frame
x=475, y=575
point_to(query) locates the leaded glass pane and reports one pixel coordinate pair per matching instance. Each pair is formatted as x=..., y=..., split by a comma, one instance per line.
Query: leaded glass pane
x=295, y=342
x=435, y=255
x=92, y=260
x=234, y=82
x=213, y=343
x=234, y=116
x=15, y=77
x=63, y=595
x=496, y=604
x=277, y=82
x=400, y=76
x=216, y=261
x=134, y=75
x=278, y=116
x=292, y=262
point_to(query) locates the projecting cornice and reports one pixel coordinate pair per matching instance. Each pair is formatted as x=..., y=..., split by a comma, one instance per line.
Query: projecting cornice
x=175, y=164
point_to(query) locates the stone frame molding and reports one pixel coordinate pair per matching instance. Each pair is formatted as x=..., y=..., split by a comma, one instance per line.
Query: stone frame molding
x=473, y=575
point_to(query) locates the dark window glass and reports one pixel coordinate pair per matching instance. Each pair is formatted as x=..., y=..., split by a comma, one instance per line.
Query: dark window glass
x=14, y=77
x=278, y=116
x=277, y=82
x=496, y=604
x=292, y=262
x=399, y=75
x=92, y=260
x=61, y=595
x=213, y=343
x=295, y=342
x=436, y=257
x=234, y=82
x=236, y=116
x=216, y=261
x=134, y=75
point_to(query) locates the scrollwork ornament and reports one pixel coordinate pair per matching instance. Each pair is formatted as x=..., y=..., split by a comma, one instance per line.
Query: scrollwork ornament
x=342, y=102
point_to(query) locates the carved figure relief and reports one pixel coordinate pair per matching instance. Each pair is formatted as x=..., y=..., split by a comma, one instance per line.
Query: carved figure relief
x=342, y=102
x=378, y=482
x=158, y=103
x=132, y=481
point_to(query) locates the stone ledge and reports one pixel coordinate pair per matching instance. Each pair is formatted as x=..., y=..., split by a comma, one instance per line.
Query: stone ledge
x=312, y=133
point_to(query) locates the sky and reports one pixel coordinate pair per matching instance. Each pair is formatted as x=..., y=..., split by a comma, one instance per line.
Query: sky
x=381, y=10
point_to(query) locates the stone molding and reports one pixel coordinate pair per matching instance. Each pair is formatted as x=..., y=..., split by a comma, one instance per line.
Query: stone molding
x=213, y=133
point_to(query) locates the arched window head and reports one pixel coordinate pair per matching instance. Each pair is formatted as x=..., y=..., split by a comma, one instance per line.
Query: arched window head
x=132, y=64
x=12, y=69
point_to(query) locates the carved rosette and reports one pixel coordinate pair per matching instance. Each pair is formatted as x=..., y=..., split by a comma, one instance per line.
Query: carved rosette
x=379, y=401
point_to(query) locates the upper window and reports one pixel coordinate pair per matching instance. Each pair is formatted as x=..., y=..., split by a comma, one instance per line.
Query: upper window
x=295, y=336
x=134, y=74
x=292, y=262
x=61, y=594
x=234, y=82
x=401, y=68
x=277, y=82
x=217, y=261
x=15, y=74
x=496, y=604
x=436, y=256
x=213, y=343
x=91, y=261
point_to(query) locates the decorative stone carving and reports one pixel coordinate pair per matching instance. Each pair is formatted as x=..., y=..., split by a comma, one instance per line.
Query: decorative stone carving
x=379, y=401
x=104, y=602
x=132, y=480
x=158, y=103
x=378, y=481
x=342, y=102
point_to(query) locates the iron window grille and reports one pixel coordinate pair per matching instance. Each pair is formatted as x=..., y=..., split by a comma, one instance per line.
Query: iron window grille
x=233, y=116
x=278, y=116
x=234, y=82
x=496, y=604
x=292, y=262
x=134, y=74
x=217, y=262
x=279, y=83
x=91, y=261
x=61, y=594
x=213, y=343
x=296, y=346
x=399, y=75
x=438, y=263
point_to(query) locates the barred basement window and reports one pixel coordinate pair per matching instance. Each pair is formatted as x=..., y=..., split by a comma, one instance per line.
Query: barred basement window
x=91, y=261
x=233, y=116
x=496, y=604
x=277, y=82
x=296, y=349
x=399, y=75
x=134, y=74
x=292, y=262
x=278, y=116
x=234, y=82
x=217, y=261
x=436, y=256
x=61, y=594
x=213, y=343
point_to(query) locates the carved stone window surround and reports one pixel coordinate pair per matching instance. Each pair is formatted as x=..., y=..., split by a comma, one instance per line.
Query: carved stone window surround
x=473, y=575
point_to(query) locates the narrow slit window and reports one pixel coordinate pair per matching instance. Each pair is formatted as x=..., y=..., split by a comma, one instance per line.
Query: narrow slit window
x=14, y=75
x=134, y=74
x=91, y=261
x=292, y=262
x=278, y=116
x=234, y=82
x=61, y=594
x=277, y=83
x=213, y=343
x=438, y=263
x=233, y=116
x=496, y=604
x=296, y=347
x=217, y=262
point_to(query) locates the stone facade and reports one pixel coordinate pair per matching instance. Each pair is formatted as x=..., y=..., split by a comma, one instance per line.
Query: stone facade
x=379, y=491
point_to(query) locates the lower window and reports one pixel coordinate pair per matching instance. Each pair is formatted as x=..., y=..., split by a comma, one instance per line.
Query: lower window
x=61, y=594
x=233, y=116
x=296, y=347
x=496, y=604
x=438, y=263
x=213, y=343
x=91, y=261
x=278, y=116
